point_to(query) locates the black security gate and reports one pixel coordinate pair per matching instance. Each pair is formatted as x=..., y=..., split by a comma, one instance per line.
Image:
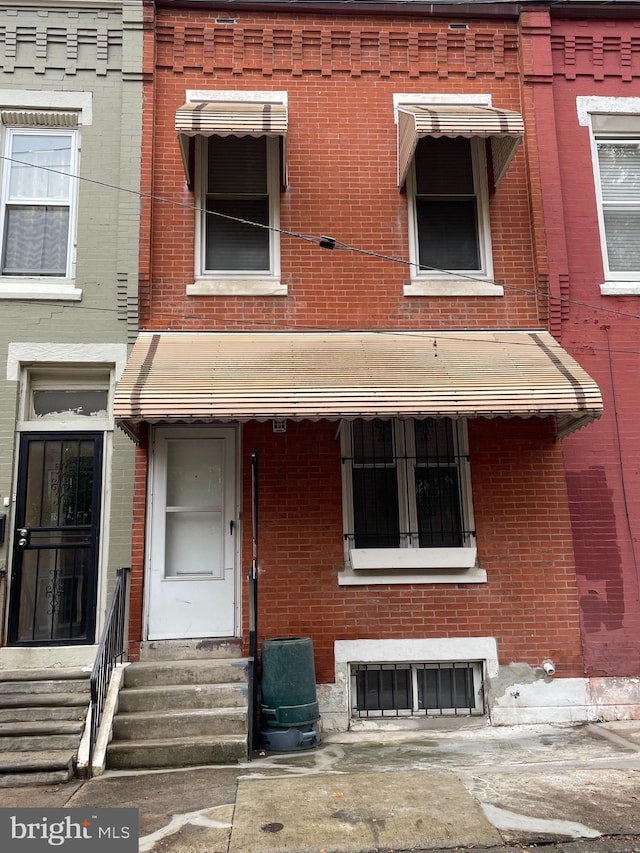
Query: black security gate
x=55, y=553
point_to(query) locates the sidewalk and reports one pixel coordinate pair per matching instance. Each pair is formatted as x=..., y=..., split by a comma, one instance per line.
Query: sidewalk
x=507, y=788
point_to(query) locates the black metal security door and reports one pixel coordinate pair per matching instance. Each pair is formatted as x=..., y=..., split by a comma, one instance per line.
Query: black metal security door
x=55, y=553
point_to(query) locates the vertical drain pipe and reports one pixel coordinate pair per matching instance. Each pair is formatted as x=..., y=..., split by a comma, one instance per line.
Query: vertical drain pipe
x=254, y=699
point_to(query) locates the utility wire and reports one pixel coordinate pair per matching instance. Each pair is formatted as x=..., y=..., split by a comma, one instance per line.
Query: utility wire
x=323, y=241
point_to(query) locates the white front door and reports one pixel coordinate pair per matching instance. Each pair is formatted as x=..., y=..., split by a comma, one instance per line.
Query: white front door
x=192, y=578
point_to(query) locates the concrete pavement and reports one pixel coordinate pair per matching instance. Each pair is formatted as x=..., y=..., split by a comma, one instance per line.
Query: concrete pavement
x=473, y=787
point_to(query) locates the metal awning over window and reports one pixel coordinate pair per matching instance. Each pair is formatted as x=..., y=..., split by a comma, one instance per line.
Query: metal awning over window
x=183, y=377
x=504, y=128
x=228, y=118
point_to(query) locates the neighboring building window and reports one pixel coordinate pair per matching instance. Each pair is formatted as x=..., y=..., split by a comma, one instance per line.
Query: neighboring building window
x=38, y=202
x=618, y=172
x=239, y=191
x=449, y=211
x=407, y=485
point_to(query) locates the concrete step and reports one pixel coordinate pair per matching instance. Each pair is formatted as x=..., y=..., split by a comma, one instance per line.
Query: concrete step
x=42, y=686
x=212, y=671
x=39, y=743
x=176, y=752
x=44, y=700
x=156, y=650
x=70, y=713
x=182, y=696
x=48, y=674
x=27, y=765
x=187, y=723
x=35, y=777
x=19, y=728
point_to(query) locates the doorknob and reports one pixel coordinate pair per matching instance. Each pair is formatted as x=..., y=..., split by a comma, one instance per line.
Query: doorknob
x=23, y=534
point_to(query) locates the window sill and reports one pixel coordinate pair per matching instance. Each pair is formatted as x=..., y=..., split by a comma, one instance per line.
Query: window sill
x=237, y=287
x=620, y=288
x=412, y=565
x=19, y=287
x=452, y=287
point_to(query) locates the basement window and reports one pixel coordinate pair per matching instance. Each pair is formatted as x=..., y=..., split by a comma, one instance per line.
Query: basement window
x=417, y=689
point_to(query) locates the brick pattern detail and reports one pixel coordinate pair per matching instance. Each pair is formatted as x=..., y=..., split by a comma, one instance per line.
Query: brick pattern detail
x=328, y=48
x=67, y=43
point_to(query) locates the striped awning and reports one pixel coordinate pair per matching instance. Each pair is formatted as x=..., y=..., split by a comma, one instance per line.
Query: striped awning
x=504, y=128
x=184, y=377
x=228, y=118
x=38, y=118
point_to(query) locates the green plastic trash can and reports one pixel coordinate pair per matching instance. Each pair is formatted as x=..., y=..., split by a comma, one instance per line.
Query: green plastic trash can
x=289, y=691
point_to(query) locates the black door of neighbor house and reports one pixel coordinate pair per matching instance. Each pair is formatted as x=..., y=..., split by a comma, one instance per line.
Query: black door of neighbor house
x=55, y=551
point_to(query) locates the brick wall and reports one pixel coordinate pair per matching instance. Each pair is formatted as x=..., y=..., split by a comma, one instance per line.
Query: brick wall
x=340, y=75
x=601, y=59
x=524, y=542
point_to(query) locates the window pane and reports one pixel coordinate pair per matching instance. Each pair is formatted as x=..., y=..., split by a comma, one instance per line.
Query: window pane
x=434, y=440
x=57, y=404
x=43, y=167
x=373, y=441
x=438, y=507
x=620, y=172
x=232, y=245
x=375, y=508
x=384, y=689
x=193, y=544
x=36, y=240
x=448, y=234
x=195, y=472
x=622, y=229
x=237, y=165
x=446, y=687
x=444, y=167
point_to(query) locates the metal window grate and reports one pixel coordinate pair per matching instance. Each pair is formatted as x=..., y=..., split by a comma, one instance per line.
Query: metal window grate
x=419, y=689
x=408, y=484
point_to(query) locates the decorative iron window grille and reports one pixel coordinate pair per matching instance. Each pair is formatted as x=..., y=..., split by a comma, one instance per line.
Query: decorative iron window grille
x=417, y=689
x=409, y=484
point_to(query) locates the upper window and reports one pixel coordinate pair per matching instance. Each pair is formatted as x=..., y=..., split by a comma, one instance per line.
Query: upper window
x=447, y=148
x=449, y=210
x=240, y=205
x=614, y=124
x=618, y=168
x=232, y=146
x=40, y=141
x=407, y=495
x=38, y=198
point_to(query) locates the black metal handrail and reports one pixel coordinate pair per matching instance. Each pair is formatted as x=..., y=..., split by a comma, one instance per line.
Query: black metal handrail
x=110, y=649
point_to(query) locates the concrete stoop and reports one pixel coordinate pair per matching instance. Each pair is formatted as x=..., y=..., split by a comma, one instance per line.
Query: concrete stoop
x=180, y=713
x=42, y=715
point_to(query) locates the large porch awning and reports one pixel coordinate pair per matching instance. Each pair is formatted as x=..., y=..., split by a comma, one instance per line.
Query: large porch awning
x=504, y=128
x=190, y=377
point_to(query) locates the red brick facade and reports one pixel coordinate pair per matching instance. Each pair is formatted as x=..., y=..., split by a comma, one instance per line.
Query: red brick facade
x=340, y=74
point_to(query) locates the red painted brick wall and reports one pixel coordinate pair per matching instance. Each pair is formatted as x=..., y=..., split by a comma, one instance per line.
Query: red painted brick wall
x=602, y=59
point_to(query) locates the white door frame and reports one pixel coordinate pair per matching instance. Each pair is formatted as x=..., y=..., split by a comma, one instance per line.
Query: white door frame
x=195, y=431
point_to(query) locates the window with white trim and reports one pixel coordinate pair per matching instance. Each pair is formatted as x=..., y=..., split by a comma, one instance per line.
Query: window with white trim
x=239, y=205
x=38, y=202
x=407, y=495
x=617, y=167
x=448, y=209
